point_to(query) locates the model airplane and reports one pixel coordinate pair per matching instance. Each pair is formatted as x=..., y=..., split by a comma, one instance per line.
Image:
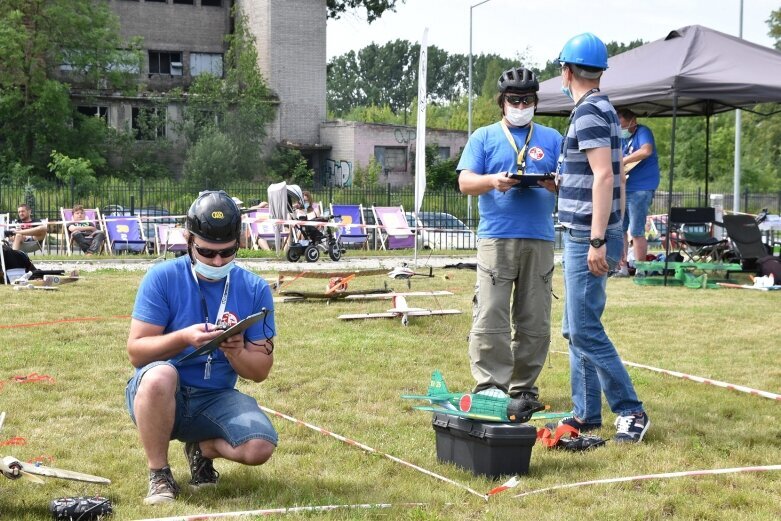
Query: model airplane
x=496, y=407
x=401, y=309
x=298, y=296
x=44, y=280
x=12, y=468
x=405, y=272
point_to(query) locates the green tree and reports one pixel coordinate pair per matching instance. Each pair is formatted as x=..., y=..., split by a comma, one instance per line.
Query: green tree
x=211, y=159
x=239, y=105
x=774, y=22
x=44, y=44
x=77, y=170
x=374, y=8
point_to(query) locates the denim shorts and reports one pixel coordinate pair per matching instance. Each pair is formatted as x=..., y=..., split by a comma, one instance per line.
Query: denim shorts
x=637, y=206
x=205, y=414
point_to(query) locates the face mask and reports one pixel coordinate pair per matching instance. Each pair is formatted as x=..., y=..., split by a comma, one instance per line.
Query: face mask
x=519, y=117
x=213, y=272
x=565, y=90
x=625, y=133
x=306, y=206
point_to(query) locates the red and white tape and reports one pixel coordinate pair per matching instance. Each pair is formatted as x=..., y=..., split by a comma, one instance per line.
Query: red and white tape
x=665, y=475
x=700, y=379
x=277, y=511
x=366, y=448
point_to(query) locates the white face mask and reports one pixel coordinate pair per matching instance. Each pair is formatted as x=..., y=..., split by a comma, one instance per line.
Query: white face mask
x=519, y=117
x=625, y=133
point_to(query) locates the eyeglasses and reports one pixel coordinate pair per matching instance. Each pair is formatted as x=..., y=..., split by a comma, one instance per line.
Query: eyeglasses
x=210, y=254
x=528, y=99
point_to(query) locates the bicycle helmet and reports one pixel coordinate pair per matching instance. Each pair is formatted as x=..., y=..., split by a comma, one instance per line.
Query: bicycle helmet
x=585, y=50
x=214, y=217
x=518, y=79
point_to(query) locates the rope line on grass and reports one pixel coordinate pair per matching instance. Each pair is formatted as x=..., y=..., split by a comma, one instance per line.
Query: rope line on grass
x=700, y=379
x=289, y=510
x=366, y=448
x=664, y=475
x=64, y=321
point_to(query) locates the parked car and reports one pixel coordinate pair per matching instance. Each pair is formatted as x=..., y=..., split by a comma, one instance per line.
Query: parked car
x=444, y=231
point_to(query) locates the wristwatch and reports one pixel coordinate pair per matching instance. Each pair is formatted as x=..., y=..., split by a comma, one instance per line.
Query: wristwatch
x=597, y=243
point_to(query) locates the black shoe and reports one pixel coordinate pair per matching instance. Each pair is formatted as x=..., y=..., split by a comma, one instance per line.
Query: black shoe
x=579, y=425
x=201, y=469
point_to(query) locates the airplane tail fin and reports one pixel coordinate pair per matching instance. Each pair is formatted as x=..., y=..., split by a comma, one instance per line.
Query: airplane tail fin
x=437, y=385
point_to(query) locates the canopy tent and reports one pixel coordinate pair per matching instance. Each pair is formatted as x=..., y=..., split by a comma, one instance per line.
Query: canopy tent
x=693, y=71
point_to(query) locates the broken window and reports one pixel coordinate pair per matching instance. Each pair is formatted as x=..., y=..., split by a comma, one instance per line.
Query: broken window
x=211, y=3
x=148, y=123
x=203, y=62
x=165, y=62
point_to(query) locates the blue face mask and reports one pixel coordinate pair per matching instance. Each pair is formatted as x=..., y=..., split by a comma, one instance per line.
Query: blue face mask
x=625, y=133
x=213, y=272
x=567, y=92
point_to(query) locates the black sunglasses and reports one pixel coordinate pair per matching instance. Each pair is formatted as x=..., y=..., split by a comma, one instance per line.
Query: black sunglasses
x=210, y=254
x=528, y=99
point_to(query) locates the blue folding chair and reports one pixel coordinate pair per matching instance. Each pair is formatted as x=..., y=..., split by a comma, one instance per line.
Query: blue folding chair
x=351, y=229
x=125, y=234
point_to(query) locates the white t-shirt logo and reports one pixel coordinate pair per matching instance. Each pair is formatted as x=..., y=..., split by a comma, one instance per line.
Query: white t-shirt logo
x=536, y=153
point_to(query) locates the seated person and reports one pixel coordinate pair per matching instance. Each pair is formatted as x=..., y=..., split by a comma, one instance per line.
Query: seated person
x=26, y=233
x=85, y=233
x=17, y=263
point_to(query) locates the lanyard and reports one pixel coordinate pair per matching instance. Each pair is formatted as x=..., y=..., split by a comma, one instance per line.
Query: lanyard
x=207, y=371
x=521, y=160
x=563, y=150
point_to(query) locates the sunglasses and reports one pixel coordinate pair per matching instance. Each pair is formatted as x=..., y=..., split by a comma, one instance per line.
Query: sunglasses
x=514, y=99
x=210, y=254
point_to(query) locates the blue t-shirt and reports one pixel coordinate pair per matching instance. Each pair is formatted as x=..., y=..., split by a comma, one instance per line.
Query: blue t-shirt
x=168, y=296
x=520, y=213
x=644, y=176
x=594, y=125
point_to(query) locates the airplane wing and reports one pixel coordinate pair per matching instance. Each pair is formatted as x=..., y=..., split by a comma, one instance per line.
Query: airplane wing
x=357, y=316
x=16, y=469
x=428, y=398
x=407, y=294
x=461, y=414
x=421, y=312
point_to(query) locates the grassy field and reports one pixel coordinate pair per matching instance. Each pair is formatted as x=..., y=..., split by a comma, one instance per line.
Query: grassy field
x=347, y=378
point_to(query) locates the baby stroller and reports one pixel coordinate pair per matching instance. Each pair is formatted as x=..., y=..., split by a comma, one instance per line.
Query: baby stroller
x=287, y=202
x=314, y=239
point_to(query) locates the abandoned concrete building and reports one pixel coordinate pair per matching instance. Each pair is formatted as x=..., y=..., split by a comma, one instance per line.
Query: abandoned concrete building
x=185, y=38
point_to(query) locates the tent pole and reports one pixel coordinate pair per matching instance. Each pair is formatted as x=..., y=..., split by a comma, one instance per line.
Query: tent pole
x=707, y=152
x=670, y=190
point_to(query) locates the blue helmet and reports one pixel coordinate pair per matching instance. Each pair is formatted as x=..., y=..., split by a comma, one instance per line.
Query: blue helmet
x=586, y=50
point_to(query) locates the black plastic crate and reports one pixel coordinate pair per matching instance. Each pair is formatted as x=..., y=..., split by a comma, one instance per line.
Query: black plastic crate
x=485, y=448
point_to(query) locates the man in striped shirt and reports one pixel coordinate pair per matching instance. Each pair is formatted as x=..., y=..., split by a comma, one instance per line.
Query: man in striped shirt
x=591, y=208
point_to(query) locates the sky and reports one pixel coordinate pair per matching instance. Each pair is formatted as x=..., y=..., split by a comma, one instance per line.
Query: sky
x=536, y=31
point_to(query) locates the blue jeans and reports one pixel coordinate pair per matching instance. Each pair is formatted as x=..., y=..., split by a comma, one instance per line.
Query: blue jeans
x=595, y=366
x=204, y=414
x=637, y=206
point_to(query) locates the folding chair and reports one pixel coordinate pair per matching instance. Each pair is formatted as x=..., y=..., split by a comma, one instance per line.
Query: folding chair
x=396, y=233
x=746, y=239
x=125, y=234
x=90, y=214
x=351, y=229
x=3, y=228
x=260, y=228
x=169, y=238
x=690, y=232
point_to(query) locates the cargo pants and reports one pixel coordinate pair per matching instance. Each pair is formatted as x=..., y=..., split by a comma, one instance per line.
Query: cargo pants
x=510, y=334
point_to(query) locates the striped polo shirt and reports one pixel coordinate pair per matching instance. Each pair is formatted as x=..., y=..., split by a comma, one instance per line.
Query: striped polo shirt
x=594, y=125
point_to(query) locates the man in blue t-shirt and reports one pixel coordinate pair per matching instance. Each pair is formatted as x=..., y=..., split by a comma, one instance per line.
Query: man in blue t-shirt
x=642, y=179
x=181, y=305
x=591, y=207
x=510, y=334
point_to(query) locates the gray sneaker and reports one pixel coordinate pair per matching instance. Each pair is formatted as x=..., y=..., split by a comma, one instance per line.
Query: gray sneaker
x=201, y=469
x=162, y=487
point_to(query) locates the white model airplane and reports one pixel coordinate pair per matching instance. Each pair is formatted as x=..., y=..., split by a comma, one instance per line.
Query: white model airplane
x=12, y=468
x=401, y=309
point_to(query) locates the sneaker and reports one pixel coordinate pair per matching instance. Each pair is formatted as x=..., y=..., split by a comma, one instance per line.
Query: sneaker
x=579, y=425
x=631, y=429
x=620, y=274
x=201, y=469
x=162, y=487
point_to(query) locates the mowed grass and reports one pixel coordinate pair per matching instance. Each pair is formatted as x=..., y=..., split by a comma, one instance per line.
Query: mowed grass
x=346, y=377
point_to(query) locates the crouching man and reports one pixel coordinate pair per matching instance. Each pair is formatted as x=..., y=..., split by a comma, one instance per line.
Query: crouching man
x=179, y=306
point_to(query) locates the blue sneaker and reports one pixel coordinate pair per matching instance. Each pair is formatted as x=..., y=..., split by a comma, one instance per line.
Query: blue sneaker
x=631, y=428
x=579, y=425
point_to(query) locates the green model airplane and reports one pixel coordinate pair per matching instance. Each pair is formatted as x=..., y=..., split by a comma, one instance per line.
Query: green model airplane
x=485, y=407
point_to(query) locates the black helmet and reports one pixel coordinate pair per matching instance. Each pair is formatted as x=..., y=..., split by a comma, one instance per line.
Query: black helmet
x=518, y=79
x=214, y=217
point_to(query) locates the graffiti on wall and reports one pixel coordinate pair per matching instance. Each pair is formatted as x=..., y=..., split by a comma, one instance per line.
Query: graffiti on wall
x=338, y=173
x=404, y=135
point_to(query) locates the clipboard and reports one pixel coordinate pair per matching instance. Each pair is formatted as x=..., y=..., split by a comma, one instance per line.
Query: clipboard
x=530, y=180
x=235, y=329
